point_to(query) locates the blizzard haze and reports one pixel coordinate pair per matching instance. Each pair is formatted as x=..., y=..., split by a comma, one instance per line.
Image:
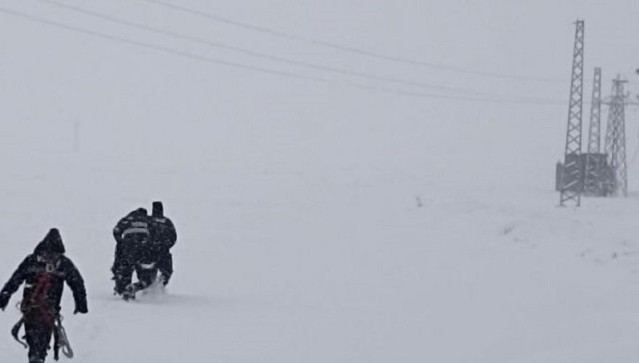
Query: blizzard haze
x=351, y=181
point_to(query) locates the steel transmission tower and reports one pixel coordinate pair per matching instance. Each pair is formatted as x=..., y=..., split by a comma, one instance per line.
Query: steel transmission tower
x=594, y=159
x=572, y=181
x=616, y=139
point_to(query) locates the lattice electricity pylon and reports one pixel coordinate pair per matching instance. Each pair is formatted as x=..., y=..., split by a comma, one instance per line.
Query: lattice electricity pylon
x=616, y=139
x=572, y=180
x=594, y=178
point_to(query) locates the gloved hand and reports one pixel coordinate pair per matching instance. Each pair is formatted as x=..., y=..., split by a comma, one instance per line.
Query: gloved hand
x=4, y=300
x=81, y=310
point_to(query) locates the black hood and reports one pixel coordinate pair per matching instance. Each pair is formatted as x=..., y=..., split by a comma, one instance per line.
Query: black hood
x=52, y=242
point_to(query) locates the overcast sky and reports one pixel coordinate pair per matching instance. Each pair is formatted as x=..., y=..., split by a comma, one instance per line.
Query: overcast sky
x=247, y=81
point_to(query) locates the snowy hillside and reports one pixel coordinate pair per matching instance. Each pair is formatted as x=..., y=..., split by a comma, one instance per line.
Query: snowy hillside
x=319, y=221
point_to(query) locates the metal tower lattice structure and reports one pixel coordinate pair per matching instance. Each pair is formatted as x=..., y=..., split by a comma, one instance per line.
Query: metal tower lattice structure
x=572, y=180
x=593, y=179
x=616, y=139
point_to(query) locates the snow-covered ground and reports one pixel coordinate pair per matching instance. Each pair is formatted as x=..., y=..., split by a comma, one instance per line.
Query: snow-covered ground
x=317, y=221
x=282, y=268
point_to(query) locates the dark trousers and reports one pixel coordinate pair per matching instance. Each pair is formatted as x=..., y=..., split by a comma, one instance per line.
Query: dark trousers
x=160, y=260
x=39, y=329
x=136, y=254
x=122, y=268
x=165, y=266
x=127, y=254
x=147, y=274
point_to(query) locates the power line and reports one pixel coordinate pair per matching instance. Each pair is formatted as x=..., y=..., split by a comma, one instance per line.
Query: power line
x=150, y=46
x=259, y=54
x=344, y=48
x=173, y=51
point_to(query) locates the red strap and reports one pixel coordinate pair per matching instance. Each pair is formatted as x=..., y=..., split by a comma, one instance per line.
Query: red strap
x=39, y=298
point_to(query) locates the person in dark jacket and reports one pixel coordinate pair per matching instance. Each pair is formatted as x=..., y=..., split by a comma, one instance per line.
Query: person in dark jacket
x=143, y=245
x=163, y=238
x=131, y=234
x=44, y=273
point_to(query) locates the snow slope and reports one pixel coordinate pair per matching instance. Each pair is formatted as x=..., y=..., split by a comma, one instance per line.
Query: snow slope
x=350, y=270
x=317, y=222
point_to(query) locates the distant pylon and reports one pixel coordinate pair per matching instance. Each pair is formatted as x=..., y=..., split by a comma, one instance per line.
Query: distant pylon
x=572, y=179
x=616, y=139
x=593, y=177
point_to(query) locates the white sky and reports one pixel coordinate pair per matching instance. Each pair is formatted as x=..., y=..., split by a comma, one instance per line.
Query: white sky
x=130, y=100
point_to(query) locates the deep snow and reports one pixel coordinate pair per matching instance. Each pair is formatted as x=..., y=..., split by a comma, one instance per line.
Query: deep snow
x=319, y=222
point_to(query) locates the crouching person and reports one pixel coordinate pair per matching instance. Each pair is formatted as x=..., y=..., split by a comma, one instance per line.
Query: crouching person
x=131, y=234
x=44, y=273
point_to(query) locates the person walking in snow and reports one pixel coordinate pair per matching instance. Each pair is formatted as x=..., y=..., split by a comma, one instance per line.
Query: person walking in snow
x=163, y=238
x=143, y=245
x=44, y=273
x=131, y=234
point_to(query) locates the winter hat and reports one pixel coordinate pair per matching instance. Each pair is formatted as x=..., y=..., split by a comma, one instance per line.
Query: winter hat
x=158, y=209
x=52, y=242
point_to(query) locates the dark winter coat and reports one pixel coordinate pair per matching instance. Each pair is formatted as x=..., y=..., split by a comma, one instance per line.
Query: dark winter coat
x=135, y=225
x=162, y=230
x=58, y=270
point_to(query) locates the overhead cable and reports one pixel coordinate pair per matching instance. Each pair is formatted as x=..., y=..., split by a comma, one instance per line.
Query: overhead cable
x=249, y=52
x=193, y=56
x=344, y=48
